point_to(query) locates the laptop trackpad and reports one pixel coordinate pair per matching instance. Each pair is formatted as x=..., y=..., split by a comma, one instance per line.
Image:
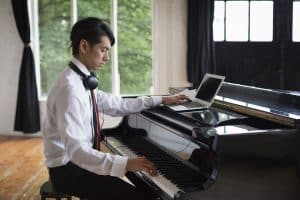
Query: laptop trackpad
x=178, y=107
x=183, y=107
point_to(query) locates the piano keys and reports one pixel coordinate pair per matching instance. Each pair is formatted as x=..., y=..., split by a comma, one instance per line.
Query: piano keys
x=229, y=151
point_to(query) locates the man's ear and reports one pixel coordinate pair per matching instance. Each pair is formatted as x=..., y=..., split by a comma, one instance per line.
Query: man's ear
x=83, y=46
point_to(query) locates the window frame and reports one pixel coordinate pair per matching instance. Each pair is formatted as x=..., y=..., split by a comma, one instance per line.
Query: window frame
x=34, y=27
x=274, y=39
x=34, y=19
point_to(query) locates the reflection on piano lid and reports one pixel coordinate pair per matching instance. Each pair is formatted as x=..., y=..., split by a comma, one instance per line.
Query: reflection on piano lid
x=274, y=105
x=291, y=114
x=237, y=129
x=212, y=116
x=223, y=130
x=274, y=111
x=233, y=101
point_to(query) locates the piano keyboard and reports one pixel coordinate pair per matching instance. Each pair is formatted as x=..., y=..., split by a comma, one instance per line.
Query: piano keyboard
x=173, y=175
x=167, y=186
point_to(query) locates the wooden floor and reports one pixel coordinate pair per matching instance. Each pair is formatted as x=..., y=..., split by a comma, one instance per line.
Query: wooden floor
x=22, y=170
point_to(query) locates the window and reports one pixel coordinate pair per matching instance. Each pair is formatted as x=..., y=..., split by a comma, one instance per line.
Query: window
x=261, y=21
x=237, y=20
x=218, y=24
x=54, y=28
x=296, y=21
x=101, y=9
x=243, y=21
x=134, y=48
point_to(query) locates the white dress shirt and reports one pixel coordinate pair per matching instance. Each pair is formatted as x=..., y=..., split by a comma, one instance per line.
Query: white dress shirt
x=68, y=127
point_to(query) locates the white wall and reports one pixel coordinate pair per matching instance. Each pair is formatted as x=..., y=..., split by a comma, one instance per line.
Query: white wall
x=11, y=49
x=169, y=44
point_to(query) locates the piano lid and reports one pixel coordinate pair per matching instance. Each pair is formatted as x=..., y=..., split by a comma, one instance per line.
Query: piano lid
x=279, y=106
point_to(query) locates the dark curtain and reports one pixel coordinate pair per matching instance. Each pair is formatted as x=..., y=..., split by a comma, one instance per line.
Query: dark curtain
x=200, y=52
x=27, y=118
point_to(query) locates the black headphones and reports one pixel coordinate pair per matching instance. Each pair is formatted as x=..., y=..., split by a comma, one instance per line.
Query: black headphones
x=90, y=82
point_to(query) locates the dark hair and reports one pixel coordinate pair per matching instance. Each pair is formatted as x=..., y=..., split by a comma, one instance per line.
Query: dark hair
x=90, y=29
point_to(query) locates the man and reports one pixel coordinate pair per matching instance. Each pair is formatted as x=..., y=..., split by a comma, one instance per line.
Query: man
x=75, y=167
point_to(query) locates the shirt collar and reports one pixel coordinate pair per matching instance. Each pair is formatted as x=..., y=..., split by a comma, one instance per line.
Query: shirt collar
x=81, y=66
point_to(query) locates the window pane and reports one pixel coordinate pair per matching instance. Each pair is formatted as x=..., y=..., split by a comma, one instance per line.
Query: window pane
x=261, y=20
x=135, y=45
x=296, y=21
x=237, y=20
x=218, y=25
x=54, y=27
x=100, y=9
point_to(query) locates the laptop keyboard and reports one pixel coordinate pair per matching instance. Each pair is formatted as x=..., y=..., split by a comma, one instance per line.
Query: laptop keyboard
x=192, y=105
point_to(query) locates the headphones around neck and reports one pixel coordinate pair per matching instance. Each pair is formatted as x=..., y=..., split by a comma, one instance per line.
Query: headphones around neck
x=90, y=82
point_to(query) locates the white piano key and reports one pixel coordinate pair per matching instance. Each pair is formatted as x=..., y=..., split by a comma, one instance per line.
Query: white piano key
x=160, y=180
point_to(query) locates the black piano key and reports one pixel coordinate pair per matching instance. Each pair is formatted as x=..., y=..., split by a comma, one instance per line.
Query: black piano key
x=171, y=168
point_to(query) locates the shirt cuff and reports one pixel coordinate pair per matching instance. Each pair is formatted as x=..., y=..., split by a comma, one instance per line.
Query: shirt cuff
x=119, y=166
x=156, y=100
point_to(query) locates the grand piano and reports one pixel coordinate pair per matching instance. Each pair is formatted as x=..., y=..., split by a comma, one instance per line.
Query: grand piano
x=245, y=146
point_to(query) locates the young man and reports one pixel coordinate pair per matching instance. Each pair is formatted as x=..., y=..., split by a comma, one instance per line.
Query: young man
x=75, y=167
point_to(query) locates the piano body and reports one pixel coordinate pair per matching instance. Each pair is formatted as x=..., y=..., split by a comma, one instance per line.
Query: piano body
x=245, y=146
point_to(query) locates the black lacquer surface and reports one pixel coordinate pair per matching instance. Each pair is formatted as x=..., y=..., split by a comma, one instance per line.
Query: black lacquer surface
x=281, y=103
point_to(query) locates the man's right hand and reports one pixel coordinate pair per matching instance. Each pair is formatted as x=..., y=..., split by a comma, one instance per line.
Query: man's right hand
x=141, y=164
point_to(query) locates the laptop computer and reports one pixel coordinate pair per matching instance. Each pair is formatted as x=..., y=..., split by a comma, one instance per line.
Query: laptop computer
x=204, y=95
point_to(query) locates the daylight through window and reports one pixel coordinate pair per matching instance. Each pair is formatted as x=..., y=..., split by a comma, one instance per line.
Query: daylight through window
x=134, y=41
x=296, y=21
x=243, y=21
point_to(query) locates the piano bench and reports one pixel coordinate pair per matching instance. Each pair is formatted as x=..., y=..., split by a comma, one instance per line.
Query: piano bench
x=47, y=191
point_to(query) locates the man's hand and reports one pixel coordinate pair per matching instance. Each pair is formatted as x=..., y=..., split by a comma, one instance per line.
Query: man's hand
x=175, y=99
x=141, y=164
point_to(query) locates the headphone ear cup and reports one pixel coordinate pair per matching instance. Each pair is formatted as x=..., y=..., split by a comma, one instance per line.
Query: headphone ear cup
x=91, y=82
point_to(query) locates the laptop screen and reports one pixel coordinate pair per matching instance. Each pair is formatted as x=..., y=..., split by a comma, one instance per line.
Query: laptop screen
x=204, y=96
x=209, y=87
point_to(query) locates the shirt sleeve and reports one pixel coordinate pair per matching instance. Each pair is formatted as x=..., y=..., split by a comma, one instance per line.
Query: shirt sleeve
x=77, y=141
x=117, y=106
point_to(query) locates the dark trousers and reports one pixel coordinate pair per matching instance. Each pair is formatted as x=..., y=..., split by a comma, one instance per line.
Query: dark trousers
x=73, y=180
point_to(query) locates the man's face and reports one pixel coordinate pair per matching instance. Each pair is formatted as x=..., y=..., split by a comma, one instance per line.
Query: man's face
x=98, y=55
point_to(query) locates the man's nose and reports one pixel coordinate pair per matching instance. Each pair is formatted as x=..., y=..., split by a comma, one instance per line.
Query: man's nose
x=106, y=57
